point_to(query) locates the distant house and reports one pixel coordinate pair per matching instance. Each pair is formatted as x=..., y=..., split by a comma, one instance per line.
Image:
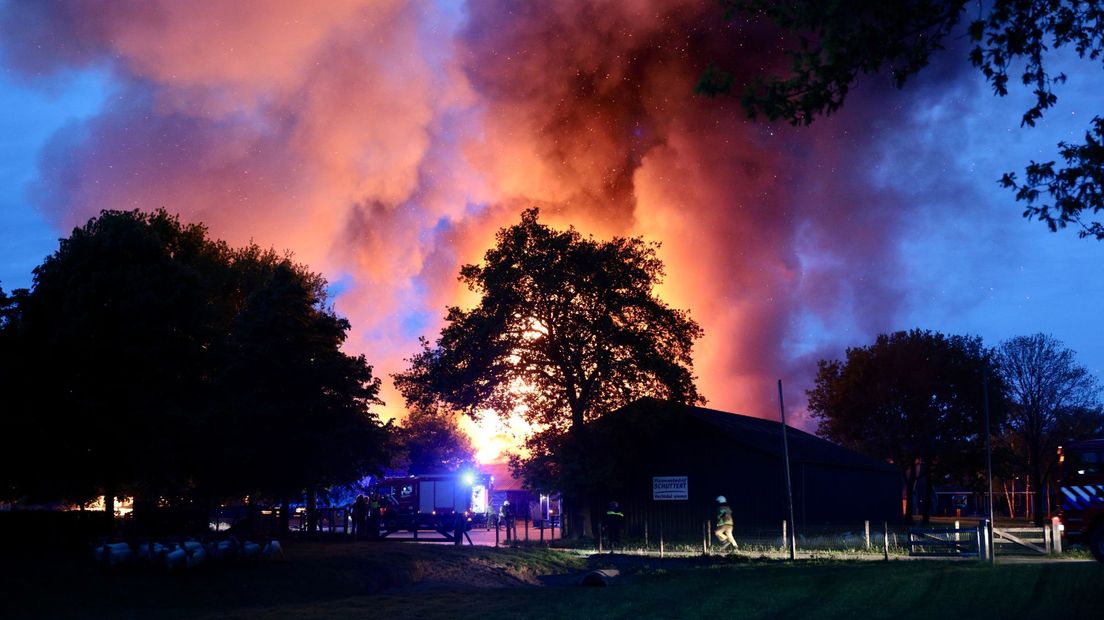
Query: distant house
x=691, y=455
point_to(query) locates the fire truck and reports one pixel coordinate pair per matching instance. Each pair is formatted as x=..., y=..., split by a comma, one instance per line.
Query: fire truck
x=431, y=502
x=1081, y=481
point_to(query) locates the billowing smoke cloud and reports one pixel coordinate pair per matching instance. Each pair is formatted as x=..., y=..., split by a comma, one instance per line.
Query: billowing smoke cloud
x=384, y=141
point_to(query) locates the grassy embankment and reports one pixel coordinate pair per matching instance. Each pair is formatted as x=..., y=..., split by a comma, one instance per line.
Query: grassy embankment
x=394, y=580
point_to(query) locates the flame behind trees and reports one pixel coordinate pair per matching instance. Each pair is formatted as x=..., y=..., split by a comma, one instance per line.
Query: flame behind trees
x=571, y=320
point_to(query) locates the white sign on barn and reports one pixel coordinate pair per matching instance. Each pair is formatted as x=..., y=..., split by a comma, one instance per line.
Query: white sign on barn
x=670, y=487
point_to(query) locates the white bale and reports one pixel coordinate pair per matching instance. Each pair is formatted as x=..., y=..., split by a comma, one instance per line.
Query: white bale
x=177, y=558
x=250, y=550
x=196, y=558
x=273, y=550
x=115, y=554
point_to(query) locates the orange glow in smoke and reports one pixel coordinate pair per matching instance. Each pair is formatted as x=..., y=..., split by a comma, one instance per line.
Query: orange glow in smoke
x=385, y=141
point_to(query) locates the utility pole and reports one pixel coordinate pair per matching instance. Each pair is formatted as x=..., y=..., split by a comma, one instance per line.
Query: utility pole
x=789, y=490
x=988, y=455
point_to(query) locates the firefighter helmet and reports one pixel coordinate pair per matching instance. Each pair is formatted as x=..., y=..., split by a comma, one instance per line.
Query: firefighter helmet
x=721, y=499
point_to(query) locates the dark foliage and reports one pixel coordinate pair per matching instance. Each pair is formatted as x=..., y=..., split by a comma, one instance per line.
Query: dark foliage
x=153, y=361
x=914, y=399
x=830, y=44
x=1051, y=399
x=430, y=441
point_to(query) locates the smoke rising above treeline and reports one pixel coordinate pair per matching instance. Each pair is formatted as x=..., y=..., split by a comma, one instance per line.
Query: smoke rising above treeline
x=384, y=142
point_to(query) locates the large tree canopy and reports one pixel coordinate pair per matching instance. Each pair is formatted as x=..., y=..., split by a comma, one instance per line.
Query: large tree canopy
x=1052, y=399
x=567, y=329
x=830, y=43
x=430, y=441
x=167, y=365
x=912, y=398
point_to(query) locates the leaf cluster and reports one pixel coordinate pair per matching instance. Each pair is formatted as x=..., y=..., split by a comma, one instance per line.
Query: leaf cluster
x=831, y=43
x=430, y=441
x=912, y=398
x=151, y=360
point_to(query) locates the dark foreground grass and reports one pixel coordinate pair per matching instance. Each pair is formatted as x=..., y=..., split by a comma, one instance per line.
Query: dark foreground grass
x=417, y=581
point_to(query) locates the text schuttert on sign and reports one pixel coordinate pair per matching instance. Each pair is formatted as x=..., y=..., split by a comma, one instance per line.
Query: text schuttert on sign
x=670, y=487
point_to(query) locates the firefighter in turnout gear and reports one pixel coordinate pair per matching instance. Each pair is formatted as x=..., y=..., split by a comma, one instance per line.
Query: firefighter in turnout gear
x=507, y=515
x=613, y=522
x=723, y=528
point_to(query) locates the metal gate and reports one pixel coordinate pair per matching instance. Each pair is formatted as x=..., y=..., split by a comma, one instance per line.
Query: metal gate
x=955, y=541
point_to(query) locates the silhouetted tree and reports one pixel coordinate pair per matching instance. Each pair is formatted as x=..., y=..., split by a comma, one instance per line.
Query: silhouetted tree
x=9, y=363
x=431, y=441
x=302, y=405
x=1051, y=399
x=118, y=329
x=829, y=44
x=913, y=399
x=169, y=366
x=567, y=329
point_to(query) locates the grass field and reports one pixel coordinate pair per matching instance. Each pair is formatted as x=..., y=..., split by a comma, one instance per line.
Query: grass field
x=394, y=580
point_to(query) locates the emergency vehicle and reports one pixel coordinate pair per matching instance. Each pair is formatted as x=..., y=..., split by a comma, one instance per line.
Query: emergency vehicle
x=1081, y=482
x=430, y=502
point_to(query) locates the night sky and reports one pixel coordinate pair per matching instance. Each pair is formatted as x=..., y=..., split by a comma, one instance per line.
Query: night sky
x=385, y=141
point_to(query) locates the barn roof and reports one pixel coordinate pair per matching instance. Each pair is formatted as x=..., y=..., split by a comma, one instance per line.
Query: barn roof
x=758, y=434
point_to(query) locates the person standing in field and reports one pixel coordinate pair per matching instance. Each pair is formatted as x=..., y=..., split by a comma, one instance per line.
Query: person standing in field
x=723, y=528
x=614, y=520
x=360, y=507
x=508, y=519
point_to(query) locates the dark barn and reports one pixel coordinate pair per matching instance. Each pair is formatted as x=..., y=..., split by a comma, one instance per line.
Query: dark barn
x=739, y=457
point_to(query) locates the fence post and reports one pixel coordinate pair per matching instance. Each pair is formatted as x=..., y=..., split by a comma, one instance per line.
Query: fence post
x=984, y=545
x=705, y=537
x=645, y=535
x=784, y=539
x=866, y=528
x=1056, y=534
x=661, y=539
x=599, y=537
x=885, y=539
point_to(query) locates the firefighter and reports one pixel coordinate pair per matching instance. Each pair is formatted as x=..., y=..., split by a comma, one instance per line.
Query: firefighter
x=373, y=516
x=614, y=520
x=360, y=507
x=723, y=529
x=508, y=518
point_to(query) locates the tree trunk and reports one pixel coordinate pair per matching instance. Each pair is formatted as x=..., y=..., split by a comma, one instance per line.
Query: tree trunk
x=109, y=510
x=1037, y=508
x=929, y=488
x=910, y=488
x=312, y=510
x=285, y=517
